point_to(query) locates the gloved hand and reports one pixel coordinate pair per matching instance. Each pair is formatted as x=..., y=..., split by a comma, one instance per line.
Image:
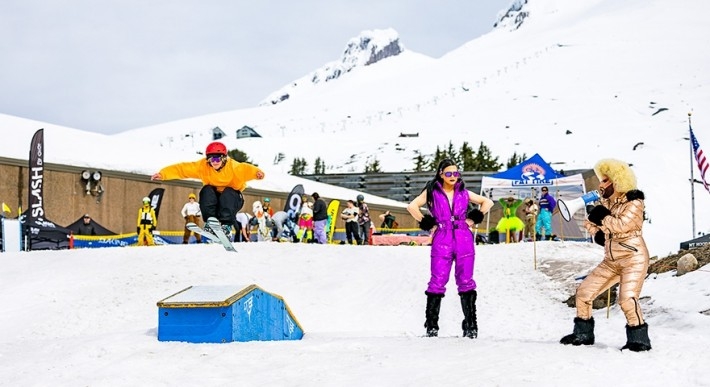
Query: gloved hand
x=597, y=214
x=475, y=215
x=599, y=238
x=427, y=223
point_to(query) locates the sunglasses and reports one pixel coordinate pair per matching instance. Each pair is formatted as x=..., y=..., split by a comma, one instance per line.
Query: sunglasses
x=455, y=174
x=214, y=158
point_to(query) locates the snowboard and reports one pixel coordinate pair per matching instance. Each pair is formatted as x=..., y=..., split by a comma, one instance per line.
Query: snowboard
x=264, y=231
x=220, y=237
x=332, y=211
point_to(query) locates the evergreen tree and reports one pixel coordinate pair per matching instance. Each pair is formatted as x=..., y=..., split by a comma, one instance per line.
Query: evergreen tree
x=373, y=167
x=467, y=156
x=515, y=160
x=298, y=167
x=438, y=156
x=240, y=156
x=452, y=154
x=484, y=160
x=420, y=162
x=319, y=167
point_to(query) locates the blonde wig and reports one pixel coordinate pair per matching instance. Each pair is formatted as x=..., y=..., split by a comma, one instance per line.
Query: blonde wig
x=619, y=172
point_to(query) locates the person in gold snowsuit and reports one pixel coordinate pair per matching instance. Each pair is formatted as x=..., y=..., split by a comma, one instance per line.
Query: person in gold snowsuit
x=615, y=224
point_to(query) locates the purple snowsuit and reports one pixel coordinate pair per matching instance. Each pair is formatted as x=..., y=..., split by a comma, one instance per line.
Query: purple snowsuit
x=452, y=241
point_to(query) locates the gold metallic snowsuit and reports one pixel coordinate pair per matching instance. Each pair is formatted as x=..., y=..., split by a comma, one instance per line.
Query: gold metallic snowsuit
x=625, y=260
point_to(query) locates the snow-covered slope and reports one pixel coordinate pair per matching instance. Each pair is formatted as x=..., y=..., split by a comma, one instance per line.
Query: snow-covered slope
x=575, y=82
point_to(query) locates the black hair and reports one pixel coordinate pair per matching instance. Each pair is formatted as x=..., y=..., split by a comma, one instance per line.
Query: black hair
x=443, y=164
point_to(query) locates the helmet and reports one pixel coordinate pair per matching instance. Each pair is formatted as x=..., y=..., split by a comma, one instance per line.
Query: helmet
x=267, y=200
x=192, y=196
x=146, y=200
x=360, y=198
x=216, y=148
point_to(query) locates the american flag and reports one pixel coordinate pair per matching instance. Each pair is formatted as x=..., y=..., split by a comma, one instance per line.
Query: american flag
x=700, y=159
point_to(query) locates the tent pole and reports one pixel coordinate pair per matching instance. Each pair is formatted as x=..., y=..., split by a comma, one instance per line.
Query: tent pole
x=534, y=236
x=488, y=217
x=533, y=232
x=562, y=228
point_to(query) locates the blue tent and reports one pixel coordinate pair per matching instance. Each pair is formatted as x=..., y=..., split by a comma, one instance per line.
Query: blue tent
x=525, y=180
x=533, y=171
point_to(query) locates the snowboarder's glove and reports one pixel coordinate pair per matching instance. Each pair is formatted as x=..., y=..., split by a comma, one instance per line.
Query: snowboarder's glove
x=599, y=238
x=475, y=215
x=427, y=222
x=597, y=214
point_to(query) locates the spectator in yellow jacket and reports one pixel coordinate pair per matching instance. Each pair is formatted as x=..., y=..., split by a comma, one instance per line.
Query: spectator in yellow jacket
x=147, y=222
x=224, y=180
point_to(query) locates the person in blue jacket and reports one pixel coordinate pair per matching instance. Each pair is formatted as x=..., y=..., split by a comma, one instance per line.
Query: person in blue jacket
x=547, y=204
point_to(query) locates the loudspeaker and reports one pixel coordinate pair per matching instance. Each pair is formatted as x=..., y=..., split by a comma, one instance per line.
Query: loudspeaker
x=568, y=209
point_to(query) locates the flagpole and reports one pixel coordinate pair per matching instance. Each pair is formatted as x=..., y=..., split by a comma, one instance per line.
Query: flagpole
x=692, y=179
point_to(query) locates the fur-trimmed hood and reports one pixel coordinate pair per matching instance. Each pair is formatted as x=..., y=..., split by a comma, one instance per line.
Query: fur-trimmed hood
x=619, y=172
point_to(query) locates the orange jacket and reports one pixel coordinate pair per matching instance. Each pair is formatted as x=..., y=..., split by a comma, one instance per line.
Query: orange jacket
x=234, y=174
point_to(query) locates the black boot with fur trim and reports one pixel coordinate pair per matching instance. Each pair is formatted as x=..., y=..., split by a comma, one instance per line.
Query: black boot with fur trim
x=637, y=338
x=583, y=333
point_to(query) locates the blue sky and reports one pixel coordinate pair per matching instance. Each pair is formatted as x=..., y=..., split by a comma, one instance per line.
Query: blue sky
x=116, y=65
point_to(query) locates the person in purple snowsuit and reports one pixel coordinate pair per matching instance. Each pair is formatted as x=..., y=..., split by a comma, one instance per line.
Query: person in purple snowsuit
x=452, y=242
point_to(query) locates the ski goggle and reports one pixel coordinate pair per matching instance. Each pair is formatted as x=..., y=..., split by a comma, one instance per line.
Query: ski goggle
x=454, y=174
x=215, y=158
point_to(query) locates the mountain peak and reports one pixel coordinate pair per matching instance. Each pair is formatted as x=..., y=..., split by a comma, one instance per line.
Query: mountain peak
x=514, y=17
x=369, y=47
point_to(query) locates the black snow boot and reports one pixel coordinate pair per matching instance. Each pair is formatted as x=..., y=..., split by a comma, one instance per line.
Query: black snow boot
x=468, y=305
x=637, y=338
x=433, y=305
x=583, y=333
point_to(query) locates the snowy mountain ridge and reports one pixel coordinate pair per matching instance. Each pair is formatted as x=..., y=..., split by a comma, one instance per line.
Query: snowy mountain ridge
x=367, y=48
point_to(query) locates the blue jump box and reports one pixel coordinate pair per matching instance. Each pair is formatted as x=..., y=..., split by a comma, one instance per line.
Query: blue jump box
x=222, y=314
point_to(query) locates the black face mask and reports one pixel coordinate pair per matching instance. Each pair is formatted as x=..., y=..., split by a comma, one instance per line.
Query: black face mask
x=608, y=191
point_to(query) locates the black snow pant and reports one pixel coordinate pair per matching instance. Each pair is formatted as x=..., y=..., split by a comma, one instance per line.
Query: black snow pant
x=352, y=231
x=223, y=206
